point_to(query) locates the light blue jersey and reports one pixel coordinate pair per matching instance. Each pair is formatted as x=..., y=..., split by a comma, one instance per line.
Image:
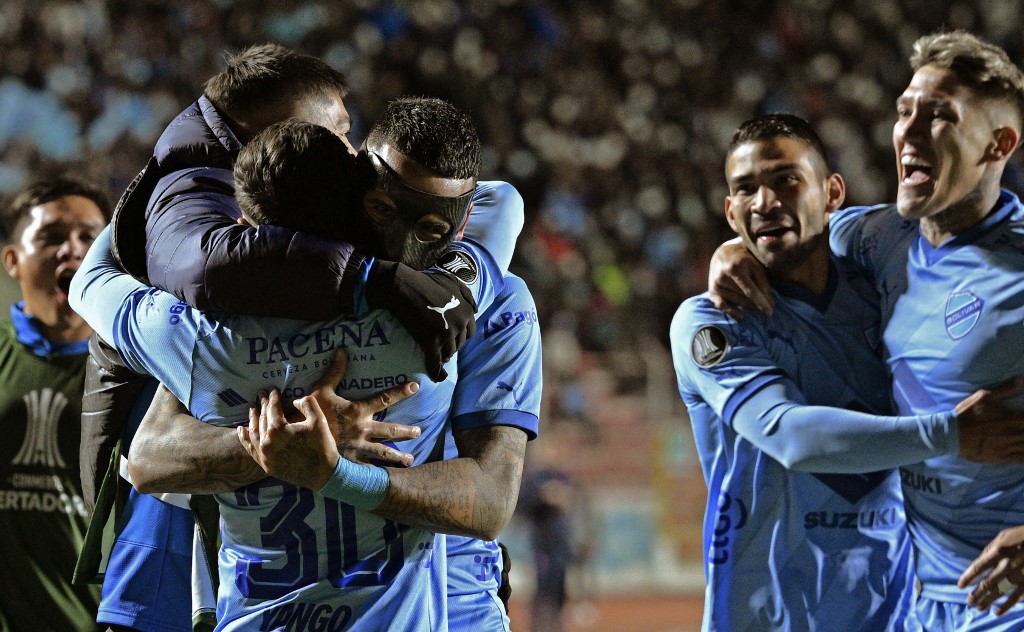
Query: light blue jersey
x=292, y=558
x=954, y=323
x=500, y=382
x=148, y=586
x=791, y=550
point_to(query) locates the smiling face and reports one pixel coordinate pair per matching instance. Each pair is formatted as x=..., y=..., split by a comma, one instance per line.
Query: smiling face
x=950, y=149
x=778, y=203
x=48, y=252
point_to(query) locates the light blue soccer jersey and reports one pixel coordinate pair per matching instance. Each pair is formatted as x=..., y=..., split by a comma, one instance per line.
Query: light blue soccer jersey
x=500, y=382
x=953, y=319
x=790, y=550
x=154, y=546
x=292, y=558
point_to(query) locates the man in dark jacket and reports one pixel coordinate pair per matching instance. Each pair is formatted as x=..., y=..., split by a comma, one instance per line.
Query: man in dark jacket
x=259, y=86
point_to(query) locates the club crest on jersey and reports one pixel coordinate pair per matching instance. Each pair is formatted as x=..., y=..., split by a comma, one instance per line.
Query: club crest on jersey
x=460, y=264
x=963, y=311
x=708, y=346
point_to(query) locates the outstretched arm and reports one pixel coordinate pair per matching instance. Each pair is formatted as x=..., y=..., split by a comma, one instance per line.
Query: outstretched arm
x=825, y=439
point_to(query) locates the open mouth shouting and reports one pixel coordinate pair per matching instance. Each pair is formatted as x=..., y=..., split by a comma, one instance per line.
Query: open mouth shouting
x=64, y=276
x=916, y=171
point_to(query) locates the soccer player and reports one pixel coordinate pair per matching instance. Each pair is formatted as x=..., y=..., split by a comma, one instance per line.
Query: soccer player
x=946, y=260
x=344, y=547
x=258, y=86
x=43, y=349
x=499, y=377
x=499, y=383
x=805, y=525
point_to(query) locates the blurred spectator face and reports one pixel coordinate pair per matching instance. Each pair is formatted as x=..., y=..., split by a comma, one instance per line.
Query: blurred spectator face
x=327, y=112
x=48, y=251
x=943, y=138
x=779, y=199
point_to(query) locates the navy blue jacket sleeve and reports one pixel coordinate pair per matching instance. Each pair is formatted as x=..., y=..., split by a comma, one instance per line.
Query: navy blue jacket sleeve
x=196, y=249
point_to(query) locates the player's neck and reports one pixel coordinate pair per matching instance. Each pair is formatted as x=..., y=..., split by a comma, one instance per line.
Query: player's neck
x=960, y=217
x=59, y=325
x=810, y=270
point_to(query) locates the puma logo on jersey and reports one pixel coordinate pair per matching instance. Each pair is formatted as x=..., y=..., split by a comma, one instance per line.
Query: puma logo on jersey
x=452, y=304
x=708, y=346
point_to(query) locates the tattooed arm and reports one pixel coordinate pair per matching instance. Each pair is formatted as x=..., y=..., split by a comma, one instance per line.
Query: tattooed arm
x=473, y=495
x=173, y=451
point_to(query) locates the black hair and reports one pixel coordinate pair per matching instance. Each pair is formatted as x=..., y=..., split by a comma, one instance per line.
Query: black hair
x=432, y=132
x=297, y=174
x=779, y=125
x=47, y=190
x=270, y=76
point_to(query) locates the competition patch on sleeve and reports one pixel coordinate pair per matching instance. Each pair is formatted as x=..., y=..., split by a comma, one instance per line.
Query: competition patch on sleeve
x=460, y=264
x=708, y=346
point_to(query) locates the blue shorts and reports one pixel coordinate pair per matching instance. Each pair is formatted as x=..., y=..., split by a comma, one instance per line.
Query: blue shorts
x=148, y=581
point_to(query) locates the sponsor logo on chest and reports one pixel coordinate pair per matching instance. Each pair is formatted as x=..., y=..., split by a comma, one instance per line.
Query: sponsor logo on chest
x=963, y=311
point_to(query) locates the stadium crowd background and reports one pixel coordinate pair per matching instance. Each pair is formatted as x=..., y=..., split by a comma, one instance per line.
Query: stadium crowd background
x=610, y=117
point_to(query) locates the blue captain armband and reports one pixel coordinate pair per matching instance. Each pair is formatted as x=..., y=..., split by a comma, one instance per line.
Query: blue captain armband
x=362, y=486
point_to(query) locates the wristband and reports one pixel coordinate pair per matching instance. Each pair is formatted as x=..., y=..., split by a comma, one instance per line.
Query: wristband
x=362, y=486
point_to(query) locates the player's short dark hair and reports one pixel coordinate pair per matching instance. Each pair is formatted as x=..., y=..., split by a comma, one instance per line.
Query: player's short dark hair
x=47, y=190
x=984, y=67
x=296, y=174
x=777, y=125
x=432, y=132
x=270, y=76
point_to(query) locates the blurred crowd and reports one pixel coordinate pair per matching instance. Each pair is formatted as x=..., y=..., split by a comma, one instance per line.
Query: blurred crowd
x=611, y=117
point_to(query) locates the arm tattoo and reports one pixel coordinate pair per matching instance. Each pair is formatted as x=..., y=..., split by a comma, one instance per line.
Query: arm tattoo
x=472, y=495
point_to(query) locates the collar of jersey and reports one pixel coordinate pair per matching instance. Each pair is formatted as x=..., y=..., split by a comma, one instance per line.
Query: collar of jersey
x=30, y=334
x=1004, y=208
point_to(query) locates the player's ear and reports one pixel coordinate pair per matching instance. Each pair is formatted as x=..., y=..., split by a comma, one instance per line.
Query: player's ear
x=1004, y=141
x=835, y=192
x=10, y=255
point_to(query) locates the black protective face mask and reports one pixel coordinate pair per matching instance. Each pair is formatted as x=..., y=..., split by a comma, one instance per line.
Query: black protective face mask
x=401, y=239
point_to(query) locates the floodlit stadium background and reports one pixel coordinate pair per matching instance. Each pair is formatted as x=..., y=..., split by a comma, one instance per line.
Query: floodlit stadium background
x=610, y=117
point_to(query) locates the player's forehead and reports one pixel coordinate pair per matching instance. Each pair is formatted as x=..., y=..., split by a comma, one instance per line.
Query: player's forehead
x=754, y=158
x=416, y=176
x=66, y=213
x=933, y=84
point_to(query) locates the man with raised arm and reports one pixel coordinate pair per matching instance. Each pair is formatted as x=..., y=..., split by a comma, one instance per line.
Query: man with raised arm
x=946, y=260
x=805, y=523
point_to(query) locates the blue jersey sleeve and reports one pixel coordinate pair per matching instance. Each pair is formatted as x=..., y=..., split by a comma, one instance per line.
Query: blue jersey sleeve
x=717, y=358
x=725, y=366
x=496, y=220
x=825, y=439
x=134, y=318
x=500, y=375
x=868, y=236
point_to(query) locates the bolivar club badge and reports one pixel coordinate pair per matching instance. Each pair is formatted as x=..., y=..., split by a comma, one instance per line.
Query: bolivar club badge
x=708, y=346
